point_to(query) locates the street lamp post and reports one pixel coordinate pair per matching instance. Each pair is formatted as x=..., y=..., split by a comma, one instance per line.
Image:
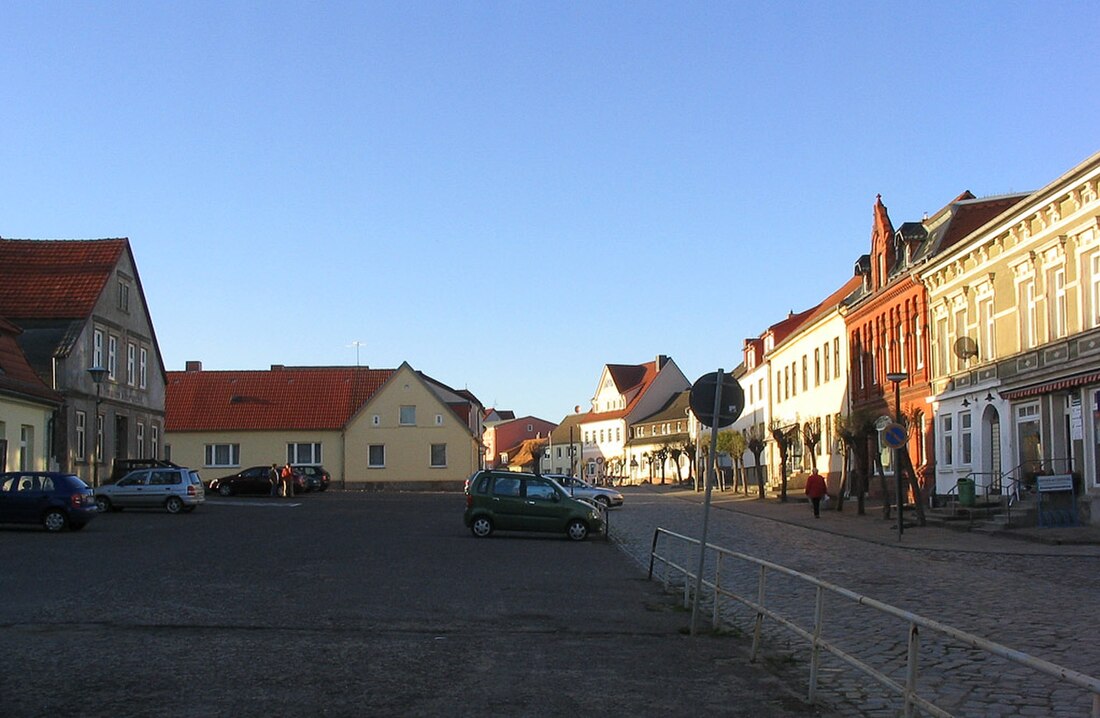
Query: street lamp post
x=897, y=378
x=98, y=373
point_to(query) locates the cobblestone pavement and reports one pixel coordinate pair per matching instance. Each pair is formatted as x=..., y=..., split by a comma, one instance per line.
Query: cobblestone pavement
x=1033, y=597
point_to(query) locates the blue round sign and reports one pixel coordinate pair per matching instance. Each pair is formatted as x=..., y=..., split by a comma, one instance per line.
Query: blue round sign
x=895, y=435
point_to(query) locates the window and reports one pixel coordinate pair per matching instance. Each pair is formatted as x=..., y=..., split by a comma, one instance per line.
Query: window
x=794, y=378
x=131, y=364
x=99, y=438
x=1028, y=434
x=303, y=453
x=750, y=394
x=942, y=367
x=507, y=486
x=988, y=350
x=825, y=359
x=1058, y=304
x=97, y=348
x=223, y=454
x=407, y=416
x=946, y=440
x=81, y=435
x=439, y=420
x=154, y=442
x=439, y=456
x=123, y=296
x=965, y=447
x=530, y=428
x=140, y=440
x=112, y=357
x=540, y=490
x=918, y=339
x=836, y=358
x=961, y=358
x=1094, y=292
x=778, y=386
x=805, y=373
x=903, y=363
x=26, y=447
x=376, y=456
x=786, y=382
x=1027, y=313
x=143, y=368
x=817, y=367
x=376, y=420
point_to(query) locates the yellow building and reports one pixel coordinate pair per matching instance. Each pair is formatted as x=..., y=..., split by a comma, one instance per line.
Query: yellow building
x=370, y=428
x=1015, y=317
x=27, y=408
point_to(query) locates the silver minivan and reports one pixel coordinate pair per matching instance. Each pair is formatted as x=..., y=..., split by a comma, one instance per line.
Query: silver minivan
x=174, y=489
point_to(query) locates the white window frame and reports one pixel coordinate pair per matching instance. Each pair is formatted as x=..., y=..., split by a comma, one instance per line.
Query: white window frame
x=143, y=368
x=154, y=441
x=81, y=435
x=112, y=357
x=371, y=464
x=1058, y=316
x=989, y=328
x=947, y=434
x=918, y=337
x=432, y=456
x=140, y=432
x=403, y=415
x=99, y=438
x=222, y=456
x=304, y=452
x=966, y=438
x=1094, y=289
x=97, y=348
x=131, y=363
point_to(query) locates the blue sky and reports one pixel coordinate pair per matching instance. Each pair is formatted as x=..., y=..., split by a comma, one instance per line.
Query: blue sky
x=510, y=195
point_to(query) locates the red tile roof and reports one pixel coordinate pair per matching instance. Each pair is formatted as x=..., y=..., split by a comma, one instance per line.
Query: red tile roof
x=628, y=378
x=55, y=279
x=974, y=214
x=16, y=376
x=285, y=398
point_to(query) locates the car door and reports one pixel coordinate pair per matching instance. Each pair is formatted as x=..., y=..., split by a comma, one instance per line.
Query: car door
x=20, y=498
x=507, y=502
x=130, y=491
x=160, y=486
x=543, y=508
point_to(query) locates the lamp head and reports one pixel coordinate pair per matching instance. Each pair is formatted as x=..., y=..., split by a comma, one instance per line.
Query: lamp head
x=98, y=373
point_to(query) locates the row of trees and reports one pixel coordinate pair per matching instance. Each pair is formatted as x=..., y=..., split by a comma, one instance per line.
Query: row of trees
x=861, y=457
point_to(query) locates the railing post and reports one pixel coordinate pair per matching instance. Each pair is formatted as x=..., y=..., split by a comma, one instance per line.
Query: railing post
x=911, y=669
x=717, y=589
x=759, y=616
x=687, y=575
x=815, y=649
x=653, y=551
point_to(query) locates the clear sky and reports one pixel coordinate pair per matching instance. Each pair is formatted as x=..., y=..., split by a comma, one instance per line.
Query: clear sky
x=509, y=195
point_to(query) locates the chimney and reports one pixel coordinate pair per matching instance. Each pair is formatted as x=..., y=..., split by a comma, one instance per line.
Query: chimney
x=278, y=367
x=193, y=366
x=662, y=359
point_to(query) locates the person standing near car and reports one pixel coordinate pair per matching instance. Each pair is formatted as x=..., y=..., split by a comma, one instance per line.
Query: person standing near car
x=288, y=480
x=273, y=477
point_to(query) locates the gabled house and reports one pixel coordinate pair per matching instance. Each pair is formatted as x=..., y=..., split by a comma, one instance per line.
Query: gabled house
x=888, y=321
x=370, y=428
x=563, y=452
x=626, y=393
x=81, y=305
x=503, y=439
x=27, y=407
x=658, y=448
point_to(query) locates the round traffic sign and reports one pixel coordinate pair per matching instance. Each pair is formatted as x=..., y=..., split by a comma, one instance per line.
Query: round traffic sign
x=894, y=435
x=731, y=401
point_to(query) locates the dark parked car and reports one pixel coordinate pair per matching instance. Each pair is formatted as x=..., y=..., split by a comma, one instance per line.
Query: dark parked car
x=55, y=500
x=317, y=479
x=253, y=480
x=511, y=501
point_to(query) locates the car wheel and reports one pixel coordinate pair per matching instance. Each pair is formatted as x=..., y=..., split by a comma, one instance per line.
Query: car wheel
x=577, y=530
x=103, y=504
x=55, y=520
x=604, y=501
x=482, y=526
x=225, y=490
x=174, y=504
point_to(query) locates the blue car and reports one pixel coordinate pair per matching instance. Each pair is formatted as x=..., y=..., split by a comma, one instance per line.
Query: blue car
x=55, y=500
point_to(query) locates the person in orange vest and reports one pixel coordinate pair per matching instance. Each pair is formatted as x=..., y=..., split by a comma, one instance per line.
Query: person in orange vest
x=288, y=480
x=815, y=489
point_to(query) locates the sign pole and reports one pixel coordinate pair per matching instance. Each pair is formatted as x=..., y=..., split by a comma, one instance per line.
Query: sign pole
x=706, y=499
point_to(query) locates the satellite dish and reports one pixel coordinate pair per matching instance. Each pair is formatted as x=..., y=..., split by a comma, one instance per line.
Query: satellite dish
x=577, y=409
x=966, y=348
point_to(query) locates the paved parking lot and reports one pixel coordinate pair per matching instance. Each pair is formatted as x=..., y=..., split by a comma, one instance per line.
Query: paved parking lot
x=345, y=604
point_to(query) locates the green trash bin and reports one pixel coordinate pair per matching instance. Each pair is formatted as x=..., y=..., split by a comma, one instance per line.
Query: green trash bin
x=966, y=492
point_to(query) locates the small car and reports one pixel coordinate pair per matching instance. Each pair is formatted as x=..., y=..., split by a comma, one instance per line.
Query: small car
x=55, y=500
x=579, y=488
x=253, y=480
x=317, y=479
x=174, y=489
x=512, y=501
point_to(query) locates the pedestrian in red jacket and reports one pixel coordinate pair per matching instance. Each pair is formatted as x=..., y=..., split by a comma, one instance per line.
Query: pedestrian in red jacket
x=815, y=489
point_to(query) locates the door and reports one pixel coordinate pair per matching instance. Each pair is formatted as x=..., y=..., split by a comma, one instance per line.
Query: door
x=992, y=450
x=507, y=502
x=19, y=499
x=544, y=507
x=130, y=491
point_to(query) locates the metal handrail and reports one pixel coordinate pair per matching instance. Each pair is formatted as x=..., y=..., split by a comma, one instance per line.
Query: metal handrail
x=908, y=691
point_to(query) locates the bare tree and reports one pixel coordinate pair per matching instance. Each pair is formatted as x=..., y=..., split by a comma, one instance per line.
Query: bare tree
x=755, y=442
x=738, y=452
x=855, y=431
x=811, y=438
x=674, y=453
x=688, y=447
x=784, y=436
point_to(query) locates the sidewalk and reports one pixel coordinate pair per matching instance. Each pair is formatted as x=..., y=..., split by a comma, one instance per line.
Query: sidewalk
x=872, y=528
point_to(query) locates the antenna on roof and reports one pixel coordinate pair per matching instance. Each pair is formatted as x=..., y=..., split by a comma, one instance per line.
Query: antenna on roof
x=356, y=344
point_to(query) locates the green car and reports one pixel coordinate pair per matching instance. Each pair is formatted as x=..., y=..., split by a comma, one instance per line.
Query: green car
x=510, y=501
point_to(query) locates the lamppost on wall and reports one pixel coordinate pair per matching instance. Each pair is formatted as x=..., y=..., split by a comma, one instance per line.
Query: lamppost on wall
x=897, y=378
x=98, y=373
